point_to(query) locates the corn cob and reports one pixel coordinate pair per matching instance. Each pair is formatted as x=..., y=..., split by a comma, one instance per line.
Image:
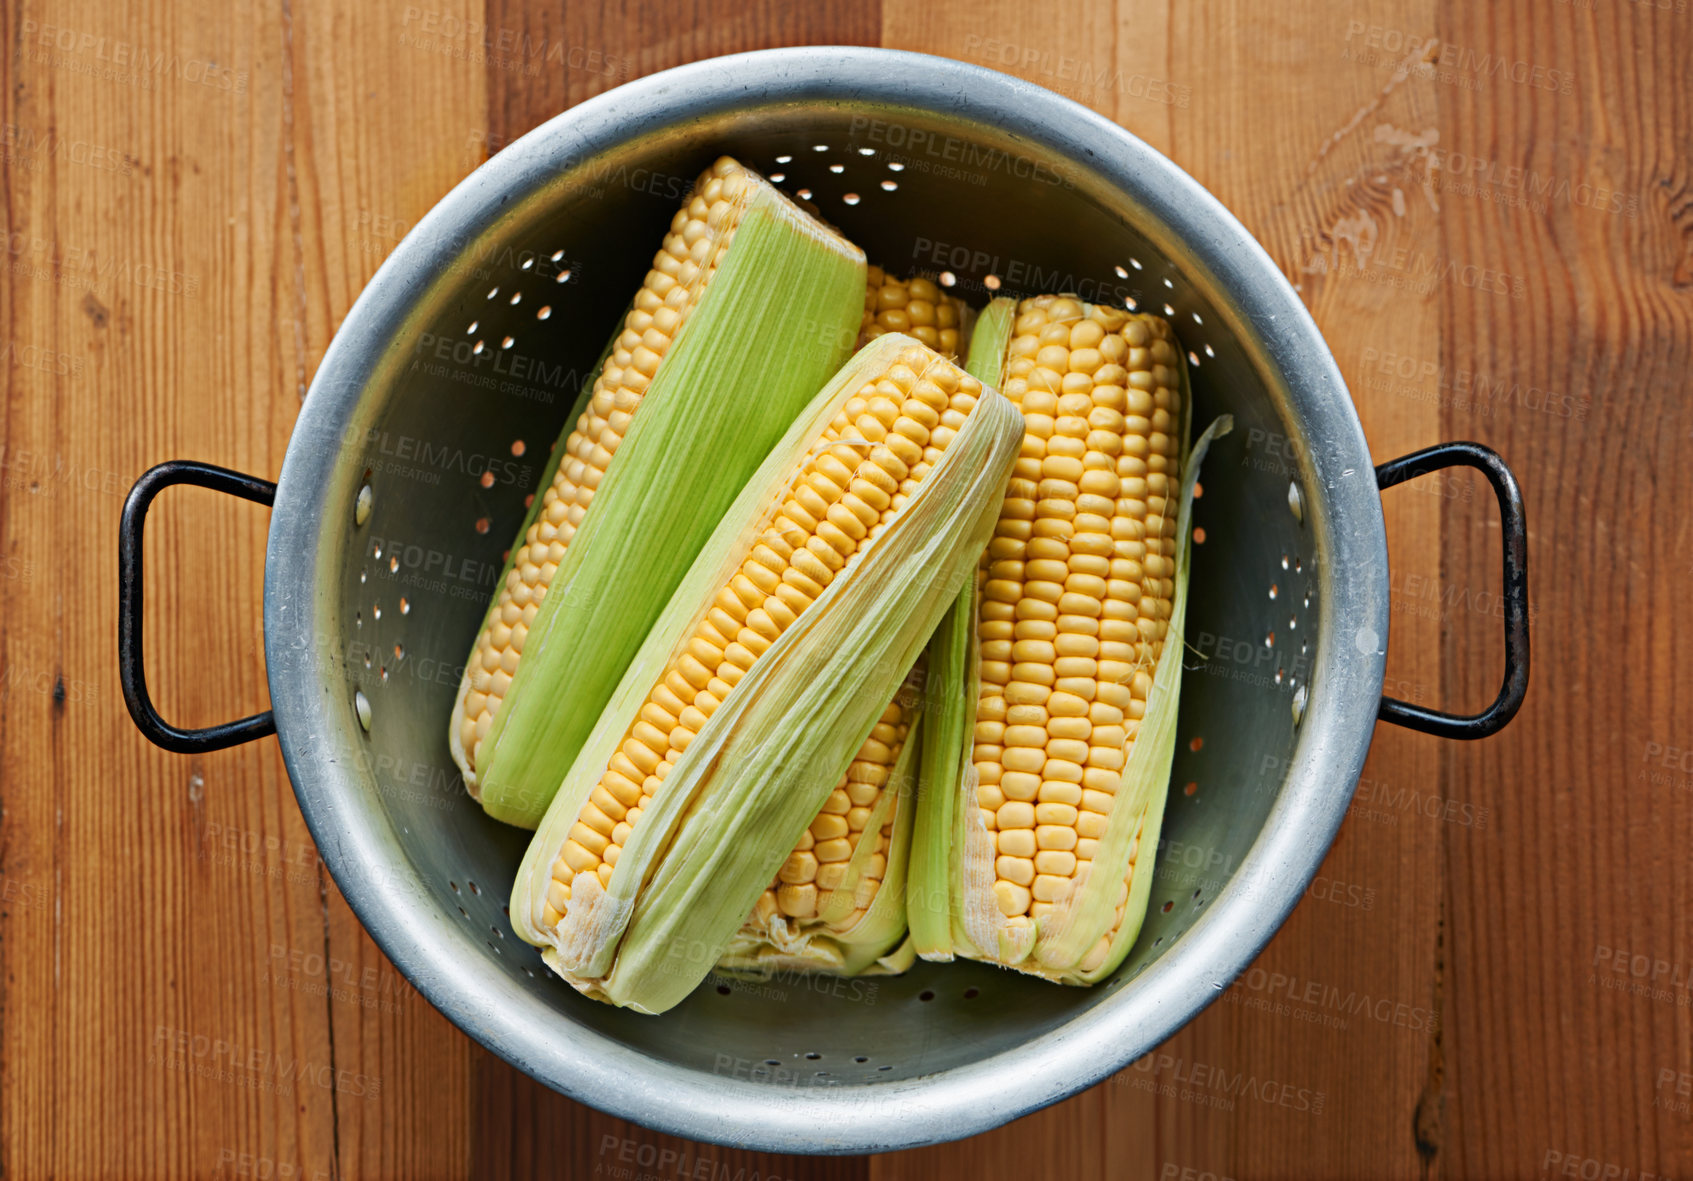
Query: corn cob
x=834, y=906
x=749, y=306
x=1044, y=780
x=916, y=307
x=838, y=902
x=765, y=673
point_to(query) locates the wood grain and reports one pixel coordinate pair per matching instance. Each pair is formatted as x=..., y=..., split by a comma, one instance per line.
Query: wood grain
x=1488, y=210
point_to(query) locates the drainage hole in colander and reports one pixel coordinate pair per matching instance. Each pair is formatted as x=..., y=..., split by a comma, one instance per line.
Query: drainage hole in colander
x=483, y=524
x=1273, y=585
x=850, y=198
x=508, y=342
x=487, y=479
x=516, y=298
x=722, y=990
x=1121, y=273
x=518, y=447
x=1292, y=623
x=399, y=651
x=1199, y=535
x=889, y=186
x=563, y=276
x=971, y=994
x=463, y=913
x=1130, y=302
x=362, y=577
x=383, y=673
x=492, y=292
x=820, y=147
x=1209, y=351
x=803, y=194
x=771, y=1062
x=1190, y=787
x=866, y=151
x=778, y=177
x=544, y=312
x=471, y=331
x=527, y=263
x=948, y=279
x=1284, y=561
x=861, y=1059
x=1278, y=676
x=405, y=605
x=474, y=888
x=1168, y=906
x=1270, y=640
x=1196, y=744
x=499, y=934
x=1193, y=358
x=1172, y=287
x=1198, y=490
x=784, y=159
x=394, y=564
x=895, y=166
x=928, y=994
x=495, y=950
x=454, y=885
x=884, y=1068
x=837, y=168
x=1168, y=310
x=479, y=348
x=1196, y=318
x=1135, y=263
x=991, y=282
x=376, y=610
x=812, y=1055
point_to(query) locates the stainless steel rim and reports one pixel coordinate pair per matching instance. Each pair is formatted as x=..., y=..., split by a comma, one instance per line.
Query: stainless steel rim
x=1342, y=507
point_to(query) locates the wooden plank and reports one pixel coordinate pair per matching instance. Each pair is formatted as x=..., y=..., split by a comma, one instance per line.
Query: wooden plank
x=1571, y=982
x=176, y=981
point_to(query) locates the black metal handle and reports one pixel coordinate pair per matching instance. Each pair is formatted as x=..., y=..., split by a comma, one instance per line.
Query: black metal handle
x=1514, y=528
x=131, y=585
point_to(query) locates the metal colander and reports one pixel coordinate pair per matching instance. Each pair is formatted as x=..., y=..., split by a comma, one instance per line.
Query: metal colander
x=428, y=425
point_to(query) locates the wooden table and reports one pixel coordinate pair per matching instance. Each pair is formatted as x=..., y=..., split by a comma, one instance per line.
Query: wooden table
x=1489, y=210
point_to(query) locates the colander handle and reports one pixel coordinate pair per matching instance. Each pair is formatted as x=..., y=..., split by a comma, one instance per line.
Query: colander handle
x=130, y=587
x=1514, y=530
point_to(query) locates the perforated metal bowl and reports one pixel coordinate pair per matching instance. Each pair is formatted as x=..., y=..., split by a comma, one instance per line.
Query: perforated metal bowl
x=427, y=426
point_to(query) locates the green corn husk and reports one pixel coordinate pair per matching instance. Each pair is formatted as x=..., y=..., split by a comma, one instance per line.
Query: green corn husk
x=952, y=909
x=777, y=317
x=876, y=943
x=756, y=774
